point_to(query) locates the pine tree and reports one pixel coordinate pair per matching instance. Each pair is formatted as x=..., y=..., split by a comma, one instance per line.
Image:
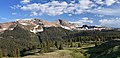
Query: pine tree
x=1, y=55
x=56, y=44
x=79, y=44
x=17, y=52
x=61, y=46
x=34, y=47
x=13, y=54
x=96, y=43
x=47, y=44
x=43, y=48
x=71, y=43
x=4, y=52
x=67, y=43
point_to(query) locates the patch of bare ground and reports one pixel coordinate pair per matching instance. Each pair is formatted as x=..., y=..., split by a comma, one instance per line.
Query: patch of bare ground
x=56, y=54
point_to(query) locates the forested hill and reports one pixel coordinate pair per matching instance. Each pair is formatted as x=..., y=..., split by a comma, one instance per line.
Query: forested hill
x=53, y=33
x=17, y=38
x=22, y=40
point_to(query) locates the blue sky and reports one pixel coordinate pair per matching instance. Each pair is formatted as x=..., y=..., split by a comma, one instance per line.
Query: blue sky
x=92, y=12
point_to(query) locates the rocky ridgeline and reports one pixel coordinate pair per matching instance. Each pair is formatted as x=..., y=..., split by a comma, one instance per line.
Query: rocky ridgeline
x=36, y=25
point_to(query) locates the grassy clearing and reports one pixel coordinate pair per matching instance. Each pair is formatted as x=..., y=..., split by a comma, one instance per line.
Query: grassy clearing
x=71, y=53
x=55, y=54
x=76, y=53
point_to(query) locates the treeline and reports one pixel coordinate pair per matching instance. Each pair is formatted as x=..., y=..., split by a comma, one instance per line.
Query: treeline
x=15, y=43
x=94, y=35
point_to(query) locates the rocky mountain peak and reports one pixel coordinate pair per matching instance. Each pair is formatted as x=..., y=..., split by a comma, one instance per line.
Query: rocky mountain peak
x=7, y=26
x=36, y=25
x=63, y=22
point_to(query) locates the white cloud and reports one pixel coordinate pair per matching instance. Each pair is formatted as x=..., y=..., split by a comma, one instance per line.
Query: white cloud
x=15, y=7
x=85, y=4
x=56, y=8
x=110, y=2
x=118, y=2
x=69, y=14
x=25, y=1
x=115, y=22
x=99, y=1
x=14, y=13
x=106, y=2
x=83, y=20
x=34, y=14
x=99, y=15
x=52, y=8
x=107, y=11
x=3, y=18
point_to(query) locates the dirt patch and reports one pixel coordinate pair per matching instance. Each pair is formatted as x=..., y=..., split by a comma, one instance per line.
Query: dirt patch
x=56, y=54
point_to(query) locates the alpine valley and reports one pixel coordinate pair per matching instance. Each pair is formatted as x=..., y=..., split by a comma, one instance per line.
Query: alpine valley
x=39, y=38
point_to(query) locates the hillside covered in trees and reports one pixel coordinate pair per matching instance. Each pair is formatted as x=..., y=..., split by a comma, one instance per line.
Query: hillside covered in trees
x=18, y=42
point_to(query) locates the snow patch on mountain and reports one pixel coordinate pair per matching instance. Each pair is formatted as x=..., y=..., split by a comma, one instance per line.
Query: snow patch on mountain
x=25, y=24
x=65, y=27
x=37, y=29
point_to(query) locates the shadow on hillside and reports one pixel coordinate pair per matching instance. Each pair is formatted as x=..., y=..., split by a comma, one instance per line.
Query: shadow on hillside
x=110, y=49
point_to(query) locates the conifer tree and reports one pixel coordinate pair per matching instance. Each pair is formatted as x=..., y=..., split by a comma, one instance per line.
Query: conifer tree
x=61, y=46
x=4, y=52
x=13, y=53
x=1, y=55
x=47, y=44
x=42, y=49
x=56, y=44
x=71, y=43
x=45, y=47
x=17, y=52
x=79, y=44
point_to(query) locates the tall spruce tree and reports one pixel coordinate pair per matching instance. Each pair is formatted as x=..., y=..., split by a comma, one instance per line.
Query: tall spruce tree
x=17, y=52
x=56, y=44
x=47, y=44
x=79, y=44
x=42, y=49
x=1, y=55
x=13, y=54
x=4, y=52
x=61, y=46
x=71, y=43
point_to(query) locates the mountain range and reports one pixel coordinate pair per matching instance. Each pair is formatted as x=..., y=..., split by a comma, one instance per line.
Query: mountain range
x=36, y=25
x=27, y=35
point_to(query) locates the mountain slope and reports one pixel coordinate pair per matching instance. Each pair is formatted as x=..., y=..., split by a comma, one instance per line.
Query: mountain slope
x=17, y=38
x=110, y=49
x=54, y=33
x=36, y=25
x=23, y=39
